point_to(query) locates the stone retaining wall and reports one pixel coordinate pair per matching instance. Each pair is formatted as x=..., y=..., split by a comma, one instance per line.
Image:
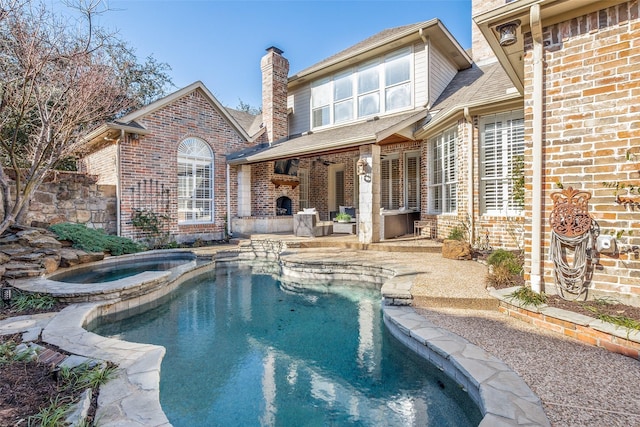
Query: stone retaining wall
x=74, y=197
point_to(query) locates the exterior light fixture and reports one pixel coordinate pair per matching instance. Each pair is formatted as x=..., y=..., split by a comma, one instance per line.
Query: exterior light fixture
x=7, y=293
x=508, y=35
x=362, y=167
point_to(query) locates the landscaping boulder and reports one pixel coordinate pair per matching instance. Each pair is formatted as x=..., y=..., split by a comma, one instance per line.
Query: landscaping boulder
x=456, y=249
x=69, y=257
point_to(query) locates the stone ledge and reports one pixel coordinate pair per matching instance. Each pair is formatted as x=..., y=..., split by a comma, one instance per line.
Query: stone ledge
x=502, y=396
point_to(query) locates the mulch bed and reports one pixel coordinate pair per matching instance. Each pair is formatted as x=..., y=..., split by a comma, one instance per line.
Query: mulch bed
x=609, y=308
x=26, y=388
x=6, y=312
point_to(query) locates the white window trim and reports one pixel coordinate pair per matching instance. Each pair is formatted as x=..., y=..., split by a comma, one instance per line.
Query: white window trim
x=391, y=190
x=507, y=162
x=443, y=168
x=416, y=155
x=381, y=90
x=195, y=160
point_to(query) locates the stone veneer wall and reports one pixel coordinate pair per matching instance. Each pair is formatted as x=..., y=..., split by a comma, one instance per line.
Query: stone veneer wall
x=591, y=121
x=74, y=197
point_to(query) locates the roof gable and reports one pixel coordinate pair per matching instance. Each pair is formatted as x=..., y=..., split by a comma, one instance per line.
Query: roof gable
x=383, y=42
x=162, y=102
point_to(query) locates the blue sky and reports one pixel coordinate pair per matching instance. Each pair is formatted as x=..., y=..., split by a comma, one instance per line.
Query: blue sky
x=221, y=42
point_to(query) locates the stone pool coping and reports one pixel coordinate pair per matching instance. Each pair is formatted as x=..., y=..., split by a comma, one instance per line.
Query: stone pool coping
x=133, y=397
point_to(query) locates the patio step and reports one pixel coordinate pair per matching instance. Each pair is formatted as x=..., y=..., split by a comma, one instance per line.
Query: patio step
x=382, y=247
x=466, y=303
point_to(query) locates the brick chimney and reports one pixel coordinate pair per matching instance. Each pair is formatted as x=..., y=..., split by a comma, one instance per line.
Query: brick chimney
x=275, y=73
x=480, y=49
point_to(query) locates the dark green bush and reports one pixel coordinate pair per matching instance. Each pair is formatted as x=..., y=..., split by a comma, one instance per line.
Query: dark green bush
x=456, y=233
x=94, y=240
x=506, y=259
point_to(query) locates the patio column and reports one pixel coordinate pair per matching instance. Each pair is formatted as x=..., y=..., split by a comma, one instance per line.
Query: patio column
x=244, y=191
x=369, y=196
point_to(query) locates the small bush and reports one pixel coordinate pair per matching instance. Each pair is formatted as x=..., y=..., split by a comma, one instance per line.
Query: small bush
x=527, y=296
x=509, y=260
x=456, y=233
x=27, y=301
x=94, y=240
x=502, y=277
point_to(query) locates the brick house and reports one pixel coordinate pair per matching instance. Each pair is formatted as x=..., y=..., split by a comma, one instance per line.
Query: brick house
x=407, y=125
x=168, y=164
x=577, y=65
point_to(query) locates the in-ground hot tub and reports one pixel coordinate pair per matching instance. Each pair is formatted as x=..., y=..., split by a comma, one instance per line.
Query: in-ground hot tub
x=145, y=275
x=122, y=267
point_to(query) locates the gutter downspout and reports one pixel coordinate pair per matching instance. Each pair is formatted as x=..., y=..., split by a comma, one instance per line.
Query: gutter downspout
x=470, y=181
x=119, y=183
x=427, y=43
x=229, y=229
x=536, y=161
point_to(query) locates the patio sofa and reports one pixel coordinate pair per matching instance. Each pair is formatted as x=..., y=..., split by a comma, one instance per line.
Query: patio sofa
x=307, y=224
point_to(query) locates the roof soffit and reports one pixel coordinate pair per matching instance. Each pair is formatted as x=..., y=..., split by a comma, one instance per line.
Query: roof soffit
x=339, y=138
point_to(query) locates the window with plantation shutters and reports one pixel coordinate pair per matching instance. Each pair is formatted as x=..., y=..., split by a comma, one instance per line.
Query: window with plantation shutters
x=195, y=182
x=390, y=183
x=502, y=142
x=443, y=177
x=412, y=180
x=303, y=176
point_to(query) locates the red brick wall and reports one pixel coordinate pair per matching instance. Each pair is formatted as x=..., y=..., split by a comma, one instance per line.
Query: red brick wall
x=275, y=74
x=102, y=165
x=591, y=121
x=154, y=157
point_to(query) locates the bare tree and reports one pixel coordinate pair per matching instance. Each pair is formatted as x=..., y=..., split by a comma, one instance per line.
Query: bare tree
x=58, y=81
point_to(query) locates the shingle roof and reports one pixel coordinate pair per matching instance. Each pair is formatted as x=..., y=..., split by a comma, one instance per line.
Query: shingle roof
x=251, y=123
x=485, y=88
x=364, y=44
x=474, y=85
x=367, y=132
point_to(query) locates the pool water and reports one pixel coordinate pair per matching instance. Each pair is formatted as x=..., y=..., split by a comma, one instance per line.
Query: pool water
x=109, y=272
x=244, y=350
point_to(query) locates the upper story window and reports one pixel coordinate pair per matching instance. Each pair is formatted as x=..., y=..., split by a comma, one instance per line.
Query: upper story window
x=377, y=87
x=195, y=181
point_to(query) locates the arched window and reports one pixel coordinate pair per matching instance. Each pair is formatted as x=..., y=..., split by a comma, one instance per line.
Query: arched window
x=195, y=181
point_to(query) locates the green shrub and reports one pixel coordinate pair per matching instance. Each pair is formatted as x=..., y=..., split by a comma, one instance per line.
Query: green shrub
x=26, y=301
x=501, y=277
x=456, y=233
x=94, y=240
x=527, y=296
x=509, y=260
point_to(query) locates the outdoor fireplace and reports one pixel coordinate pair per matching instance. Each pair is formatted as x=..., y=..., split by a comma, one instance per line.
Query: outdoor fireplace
x=283, y=206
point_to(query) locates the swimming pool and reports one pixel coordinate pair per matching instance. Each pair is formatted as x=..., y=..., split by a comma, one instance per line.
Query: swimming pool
x=244, y=349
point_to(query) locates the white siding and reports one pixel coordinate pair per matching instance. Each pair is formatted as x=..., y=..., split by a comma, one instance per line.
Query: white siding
x=442, y=72
x=419, y=75
x=300, y=100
